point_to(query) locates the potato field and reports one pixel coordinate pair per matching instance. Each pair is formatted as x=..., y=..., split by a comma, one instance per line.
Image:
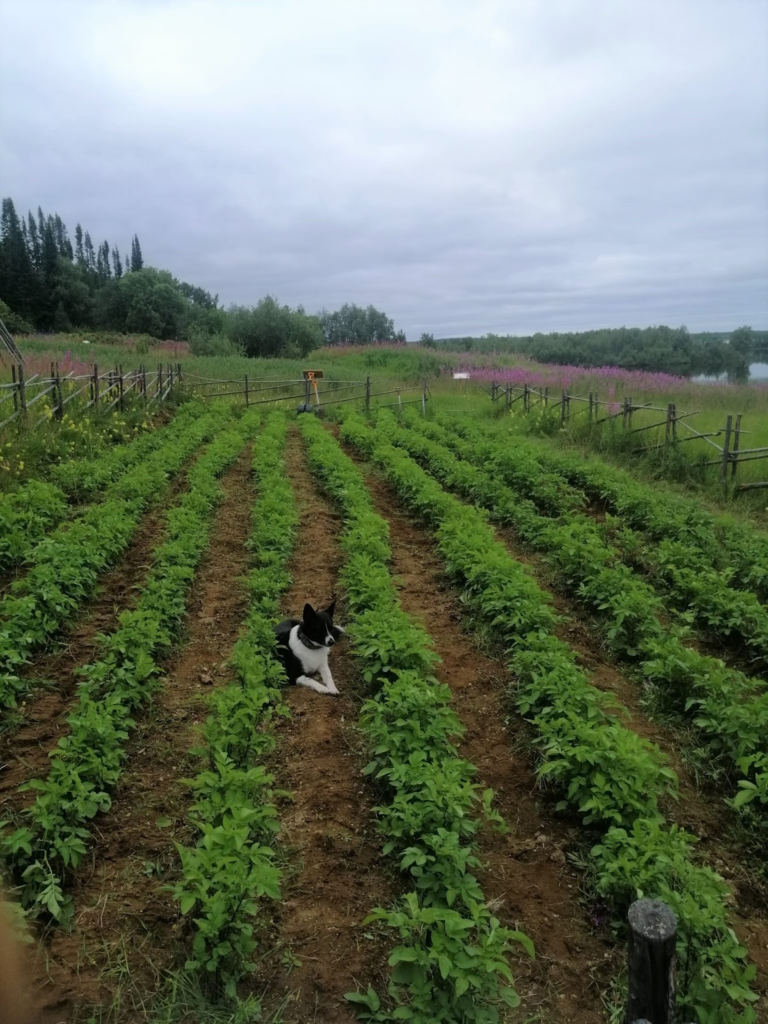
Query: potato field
x=552, y=703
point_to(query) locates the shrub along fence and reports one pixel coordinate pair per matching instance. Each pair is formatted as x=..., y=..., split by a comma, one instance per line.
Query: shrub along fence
x=99, y=390
x=729, y=456
x=311, y=391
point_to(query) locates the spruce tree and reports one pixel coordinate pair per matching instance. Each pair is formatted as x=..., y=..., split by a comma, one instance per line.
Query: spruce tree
x=90, y=255
x=34, y=241
x=117, y=265
x=79, y=254
x=18, y=284
x=137, y=260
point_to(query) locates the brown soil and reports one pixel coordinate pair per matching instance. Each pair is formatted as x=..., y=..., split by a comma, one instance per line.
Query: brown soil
x=123, y=920
x=525, y=875
x=24, y=751
x=703, y=813
x=327, y=830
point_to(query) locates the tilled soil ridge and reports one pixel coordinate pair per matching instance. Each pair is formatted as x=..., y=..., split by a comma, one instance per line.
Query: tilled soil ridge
x=123, y=916
x=335, y=873
x=525, y=876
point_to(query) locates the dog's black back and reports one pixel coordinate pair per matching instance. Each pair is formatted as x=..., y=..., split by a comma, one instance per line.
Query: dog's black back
x=291, y=664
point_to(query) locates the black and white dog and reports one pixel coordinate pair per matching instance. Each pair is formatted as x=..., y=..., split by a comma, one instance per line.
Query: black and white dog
x=303, y=647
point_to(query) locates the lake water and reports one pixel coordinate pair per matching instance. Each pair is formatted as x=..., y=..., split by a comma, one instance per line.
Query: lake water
x=757, y=372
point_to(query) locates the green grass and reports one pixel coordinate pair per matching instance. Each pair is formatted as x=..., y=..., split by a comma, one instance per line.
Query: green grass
x=389, y=367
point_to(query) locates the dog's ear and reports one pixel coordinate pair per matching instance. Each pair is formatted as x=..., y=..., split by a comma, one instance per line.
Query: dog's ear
x=309, y=613
x=330, y=609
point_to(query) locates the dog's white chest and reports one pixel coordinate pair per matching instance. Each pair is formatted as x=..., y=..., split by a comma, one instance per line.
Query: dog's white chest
x=311, y=660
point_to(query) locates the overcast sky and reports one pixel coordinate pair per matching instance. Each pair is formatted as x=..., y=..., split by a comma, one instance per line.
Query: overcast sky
x=466, y=166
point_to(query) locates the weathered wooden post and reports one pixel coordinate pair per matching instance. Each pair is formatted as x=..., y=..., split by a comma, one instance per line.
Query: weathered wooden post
x=170, y=377
x=562, y=407
x=121, y=387
x=651, y=963
x=493, y=390
x=424, y=398
x=367, y=394
x=59, y=395
x=546, y=398
x=399, y=405
x=668, y=425
x=726, y=449
x=22, y=390
x=15, y=388
x=525, y=398
x=247, y=395
x=160, y=380
x=590, y=406
x=96, y=385
x=735, y=449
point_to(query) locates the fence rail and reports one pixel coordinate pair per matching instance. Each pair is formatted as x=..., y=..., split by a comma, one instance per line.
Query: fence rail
x=730, y=453
x=303, y=390
x=106, y=389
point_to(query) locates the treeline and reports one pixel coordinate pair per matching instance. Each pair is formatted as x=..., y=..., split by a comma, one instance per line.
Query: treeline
x=660, y=349
x=47, y=283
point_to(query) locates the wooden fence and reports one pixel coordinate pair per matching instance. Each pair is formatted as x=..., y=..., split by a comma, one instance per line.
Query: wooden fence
x=97, y=390
x=730, y=454
x=304, y=391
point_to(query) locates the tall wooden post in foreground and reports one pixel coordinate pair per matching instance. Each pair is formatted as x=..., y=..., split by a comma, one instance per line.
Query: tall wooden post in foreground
x=651, y=966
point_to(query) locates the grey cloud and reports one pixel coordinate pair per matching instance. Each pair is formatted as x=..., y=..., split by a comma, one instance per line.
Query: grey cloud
x=493, y=166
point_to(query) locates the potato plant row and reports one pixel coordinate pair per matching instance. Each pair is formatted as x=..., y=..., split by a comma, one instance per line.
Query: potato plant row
x=679, y=569
x=65, y=566
x=451, y=961
x=27, y=514
x=232, y=866
x=729, y=709
x=87, y=762
x=601, y=769
x=721, y=543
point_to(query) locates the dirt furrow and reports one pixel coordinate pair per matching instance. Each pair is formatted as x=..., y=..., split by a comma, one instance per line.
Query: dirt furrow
x=703, y=813
x=126, y=931
x=42, y=716
x=525, y=876
x=335, y=873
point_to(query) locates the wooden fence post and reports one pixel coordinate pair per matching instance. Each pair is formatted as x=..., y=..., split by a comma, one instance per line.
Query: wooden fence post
x=590, y=406
x=160, y=380
x=735, y=449
x=562, y=408
x=399, y=405
x=121, y=387
x=424, y=398
x=367, y=394
x=247, y=396
x=546, y=398
x=22, y=389
x=651, y=963
x=59, y=395
x=15, y=388
x=525, y=398
x=493, y=390
x=726, y=449
x=629, y=412
x=96, y=385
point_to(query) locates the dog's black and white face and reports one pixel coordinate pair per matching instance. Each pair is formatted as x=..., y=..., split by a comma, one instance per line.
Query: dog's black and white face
x=318, y=626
